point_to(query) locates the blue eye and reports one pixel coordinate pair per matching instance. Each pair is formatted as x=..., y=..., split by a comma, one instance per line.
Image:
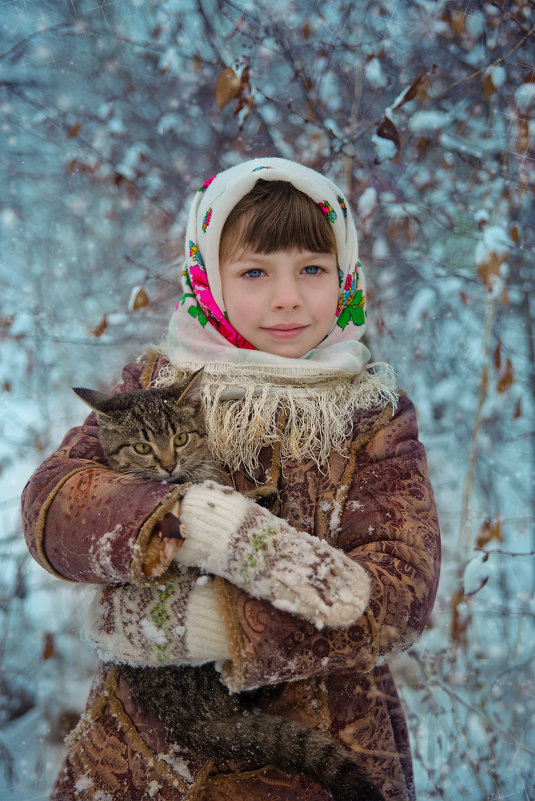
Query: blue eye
x=253, y=273
x=313, y=269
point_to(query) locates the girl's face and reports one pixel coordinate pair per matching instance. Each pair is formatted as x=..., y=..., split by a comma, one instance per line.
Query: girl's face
x=282, y=303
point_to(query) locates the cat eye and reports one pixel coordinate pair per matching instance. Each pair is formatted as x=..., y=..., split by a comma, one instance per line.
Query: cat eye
x=181, y=439
x=142, y=448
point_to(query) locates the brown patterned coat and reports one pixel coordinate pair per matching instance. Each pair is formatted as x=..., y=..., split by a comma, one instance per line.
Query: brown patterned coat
x=86, y=523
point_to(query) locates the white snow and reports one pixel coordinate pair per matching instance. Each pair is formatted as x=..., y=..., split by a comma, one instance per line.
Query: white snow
x=498, y=75
x=385, y=148
x=380, y=249
x=422, y=303
x=494, y=239
x=367, y=202
x=428, y=121
x=153, y=788
x=83, y=783
x=152, y=632
x=178, y=764
x=101, y=552
x=525, y=97
x=375, y=76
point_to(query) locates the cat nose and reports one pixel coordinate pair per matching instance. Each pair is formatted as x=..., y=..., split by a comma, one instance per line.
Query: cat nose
x=169, y=468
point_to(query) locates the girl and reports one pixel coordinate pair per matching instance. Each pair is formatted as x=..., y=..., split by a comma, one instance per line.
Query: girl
x=274, y=309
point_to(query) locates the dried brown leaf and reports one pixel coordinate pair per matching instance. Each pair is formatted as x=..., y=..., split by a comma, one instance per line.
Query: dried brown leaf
x=417, y=88
x=506, y=377
x=387, y=130
x=139, y=299
x=227, y=87
x=74, y=131
x=75, y=165
x=100, y=328
x=497, y=356
x=460, y=621
x=49, y=647
x=490, y=530
x=522, y=135
x=422, y=146
x=489, y=269
x=488, y=85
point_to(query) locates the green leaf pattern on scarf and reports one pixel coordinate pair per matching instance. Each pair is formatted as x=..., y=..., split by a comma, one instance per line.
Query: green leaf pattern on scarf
x=352, y=304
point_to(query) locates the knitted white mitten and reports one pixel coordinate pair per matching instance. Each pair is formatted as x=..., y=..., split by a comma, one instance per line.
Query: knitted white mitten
x=231, y=536
x=175, y=623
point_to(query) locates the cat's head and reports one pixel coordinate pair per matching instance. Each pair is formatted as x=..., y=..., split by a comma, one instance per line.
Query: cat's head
x=156, y=433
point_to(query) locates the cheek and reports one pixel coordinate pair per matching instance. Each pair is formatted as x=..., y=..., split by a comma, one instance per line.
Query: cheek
x=329, y=303
x=231, y=294
x=242, y=306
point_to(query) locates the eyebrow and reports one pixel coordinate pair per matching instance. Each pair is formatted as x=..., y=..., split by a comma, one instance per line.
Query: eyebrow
x=254, y=256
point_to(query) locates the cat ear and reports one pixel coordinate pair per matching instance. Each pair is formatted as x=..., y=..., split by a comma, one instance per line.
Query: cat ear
x=190, y=389
x=98, y=401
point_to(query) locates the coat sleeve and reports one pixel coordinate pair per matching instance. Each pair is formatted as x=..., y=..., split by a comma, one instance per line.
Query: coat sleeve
x=388, y=524
x=85, y=522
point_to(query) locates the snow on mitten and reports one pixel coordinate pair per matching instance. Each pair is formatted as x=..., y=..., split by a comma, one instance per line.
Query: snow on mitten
x=174, y=623
x=231, y=536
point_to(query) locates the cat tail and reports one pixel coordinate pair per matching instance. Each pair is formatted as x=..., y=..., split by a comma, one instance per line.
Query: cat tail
x=294, y=748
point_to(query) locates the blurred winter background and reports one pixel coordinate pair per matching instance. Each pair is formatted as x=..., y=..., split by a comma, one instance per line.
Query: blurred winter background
x=112, y=113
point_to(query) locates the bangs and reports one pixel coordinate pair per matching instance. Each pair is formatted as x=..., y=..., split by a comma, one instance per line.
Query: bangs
x=274, y=216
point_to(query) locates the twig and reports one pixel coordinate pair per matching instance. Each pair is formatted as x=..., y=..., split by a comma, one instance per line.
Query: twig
x=504, y=553
x=503, y=10
x=525, y=307
x=496, y=62
x=60, y=26
x=486, y=720
x=353, y=117
x=491, y=305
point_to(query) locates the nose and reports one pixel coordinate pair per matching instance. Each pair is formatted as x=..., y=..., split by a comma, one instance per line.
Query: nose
x=286, y=294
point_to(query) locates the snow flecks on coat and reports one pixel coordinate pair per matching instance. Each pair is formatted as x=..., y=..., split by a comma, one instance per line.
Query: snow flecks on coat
x=101, y=554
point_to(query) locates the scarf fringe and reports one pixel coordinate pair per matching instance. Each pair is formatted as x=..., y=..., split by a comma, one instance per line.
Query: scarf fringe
x=242, y=414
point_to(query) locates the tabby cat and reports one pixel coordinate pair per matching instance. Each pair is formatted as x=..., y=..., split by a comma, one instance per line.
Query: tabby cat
x=160, y=434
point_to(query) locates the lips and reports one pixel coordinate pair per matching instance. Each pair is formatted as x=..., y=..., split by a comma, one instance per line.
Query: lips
x=285, y=330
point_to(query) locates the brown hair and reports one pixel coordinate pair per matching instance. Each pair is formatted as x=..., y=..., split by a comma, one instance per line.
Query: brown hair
x=273, y=216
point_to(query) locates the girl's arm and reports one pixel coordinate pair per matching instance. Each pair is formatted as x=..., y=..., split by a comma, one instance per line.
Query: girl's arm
x=229, y=536
x=388, y=534
x=84, y=522
x=389, y=526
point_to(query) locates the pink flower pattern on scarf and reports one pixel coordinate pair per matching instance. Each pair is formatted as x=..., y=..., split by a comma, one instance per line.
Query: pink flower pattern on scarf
x=206, y=309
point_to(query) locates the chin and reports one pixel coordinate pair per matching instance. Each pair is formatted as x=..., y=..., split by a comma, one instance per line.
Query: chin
x=291, y=353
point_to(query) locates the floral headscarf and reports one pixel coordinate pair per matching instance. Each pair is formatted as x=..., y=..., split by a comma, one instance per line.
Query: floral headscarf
x=202, y=299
